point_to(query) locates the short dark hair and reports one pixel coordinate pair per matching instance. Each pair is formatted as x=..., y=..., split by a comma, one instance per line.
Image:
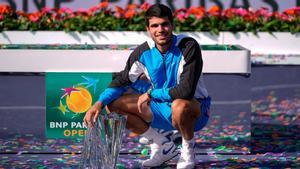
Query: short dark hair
x=160, y=11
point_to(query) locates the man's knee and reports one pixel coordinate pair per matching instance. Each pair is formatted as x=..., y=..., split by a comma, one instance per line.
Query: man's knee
x=114, y=106
x=180, y=105
x=180, y=111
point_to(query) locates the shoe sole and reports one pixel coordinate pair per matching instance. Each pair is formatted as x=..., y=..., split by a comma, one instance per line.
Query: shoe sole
x=164, y=161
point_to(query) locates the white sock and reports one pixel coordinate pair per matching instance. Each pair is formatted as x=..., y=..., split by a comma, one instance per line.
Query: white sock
x=154, y=136
x=187, y=144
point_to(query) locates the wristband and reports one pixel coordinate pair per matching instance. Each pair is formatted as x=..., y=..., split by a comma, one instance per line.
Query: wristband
x=149, y=92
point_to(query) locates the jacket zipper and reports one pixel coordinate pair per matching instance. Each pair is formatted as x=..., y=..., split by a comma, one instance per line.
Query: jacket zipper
x=164, y=64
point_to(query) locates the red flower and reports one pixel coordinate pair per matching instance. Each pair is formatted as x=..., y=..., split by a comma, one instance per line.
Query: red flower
x=84, y=13
x=119, y=11
x=198, y=12
x=34, y=17
x=251, y=17
x=1, y=17
x=21, y=13
x=293, y=11
x=145, y=6
x=215, y=10
x=129, y=14
x=132, y=6
x=229, y=13
x=290, y=12
x=5, y=9
x=103, y=4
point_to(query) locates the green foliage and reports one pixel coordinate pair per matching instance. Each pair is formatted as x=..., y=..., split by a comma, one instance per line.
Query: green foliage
x=100, y=18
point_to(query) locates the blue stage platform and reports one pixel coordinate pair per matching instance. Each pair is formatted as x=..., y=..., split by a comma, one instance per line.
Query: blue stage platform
x=269, y=100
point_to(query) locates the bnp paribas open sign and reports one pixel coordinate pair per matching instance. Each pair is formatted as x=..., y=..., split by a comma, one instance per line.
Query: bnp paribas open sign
x=68, y=97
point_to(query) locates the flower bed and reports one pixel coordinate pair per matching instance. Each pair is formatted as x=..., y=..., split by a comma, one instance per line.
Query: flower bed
x=103, y=18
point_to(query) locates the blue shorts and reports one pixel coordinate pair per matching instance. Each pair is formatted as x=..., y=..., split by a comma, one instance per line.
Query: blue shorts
x=162, y=115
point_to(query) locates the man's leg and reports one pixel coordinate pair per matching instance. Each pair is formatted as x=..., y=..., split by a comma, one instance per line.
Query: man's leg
x=185, y=114
x=127, y=105
x=162, y=149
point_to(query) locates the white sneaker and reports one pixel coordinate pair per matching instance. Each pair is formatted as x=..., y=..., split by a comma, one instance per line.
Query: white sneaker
x=160, y=154
x=186, y=159
x=171, y=135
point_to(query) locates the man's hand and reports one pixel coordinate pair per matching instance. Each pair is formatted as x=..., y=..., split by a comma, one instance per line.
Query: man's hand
x=92, y=114
x=144, y=98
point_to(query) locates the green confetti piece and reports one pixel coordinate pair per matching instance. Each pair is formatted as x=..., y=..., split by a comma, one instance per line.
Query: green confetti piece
x=144, y=151
x=41, y=167
x=220, y=148
x=120, y=166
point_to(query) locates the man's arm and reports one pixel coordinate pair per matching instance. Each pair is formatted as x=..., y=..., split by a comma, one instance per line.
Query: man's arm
x=189, y=77
x=92, y=114
x=116, y=88
x=123, y=79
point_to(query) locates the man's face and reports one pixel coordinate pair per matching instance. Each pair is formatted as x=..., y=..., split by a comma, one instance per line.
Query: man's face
x=160, y=30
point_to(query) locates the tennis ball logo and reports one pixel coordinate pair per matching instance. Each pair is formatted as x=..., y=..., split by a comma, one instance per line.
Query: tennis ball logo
x=79, y=101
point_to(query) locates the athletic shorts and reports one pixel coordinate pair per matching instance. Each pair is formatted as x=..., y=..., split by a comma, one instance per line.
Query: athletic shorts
x=162, y=115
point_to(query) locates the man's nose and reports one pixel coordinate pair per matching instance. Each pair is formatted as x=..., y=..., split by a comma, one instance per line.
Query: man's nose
x=161, y=28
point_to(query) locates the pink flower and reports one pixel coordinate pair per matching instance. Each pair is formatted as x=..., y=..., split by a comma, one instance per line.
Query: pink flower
x=46, y=10
x=181, y=17
x=263, y=12
x=241, y=11
x=180, y=14
x=1, y=17
x=66, y=10
x=285, y=17
x=93, y=9
x=81, y=10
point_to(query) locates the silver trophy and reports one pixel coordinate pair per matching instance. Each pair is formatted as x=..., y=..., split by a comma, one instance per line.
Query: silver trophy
x=102, y=142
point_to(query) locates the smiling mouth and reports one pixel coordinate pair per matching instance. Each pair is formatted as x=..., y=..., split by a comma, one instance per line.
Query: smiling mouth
x=162, y=36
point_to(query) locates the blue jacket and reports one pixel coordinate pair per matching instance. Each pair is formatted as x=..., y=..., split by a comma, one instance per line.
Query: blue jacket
x=173, y=75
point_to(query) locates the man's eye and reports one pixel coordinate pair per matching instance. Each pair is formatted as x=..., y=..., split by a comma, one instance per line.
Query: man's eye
x=165, y=24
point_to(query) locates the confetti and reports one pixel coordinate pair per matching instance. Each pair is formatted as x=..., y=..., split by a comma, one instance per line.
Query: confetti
x=272, y=140
x=144, y=152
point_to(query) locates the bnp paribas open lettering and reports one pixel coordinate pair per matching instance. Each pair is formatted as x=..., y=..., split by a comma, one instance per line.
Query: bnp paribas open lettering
x=62, y=125
x=32, y=5
x=272, y=4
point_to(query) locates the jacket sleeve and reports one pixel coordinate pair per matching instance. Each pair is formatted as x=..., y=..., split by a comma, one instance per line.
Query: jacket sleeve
x=121, y=81
x=189, y=77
